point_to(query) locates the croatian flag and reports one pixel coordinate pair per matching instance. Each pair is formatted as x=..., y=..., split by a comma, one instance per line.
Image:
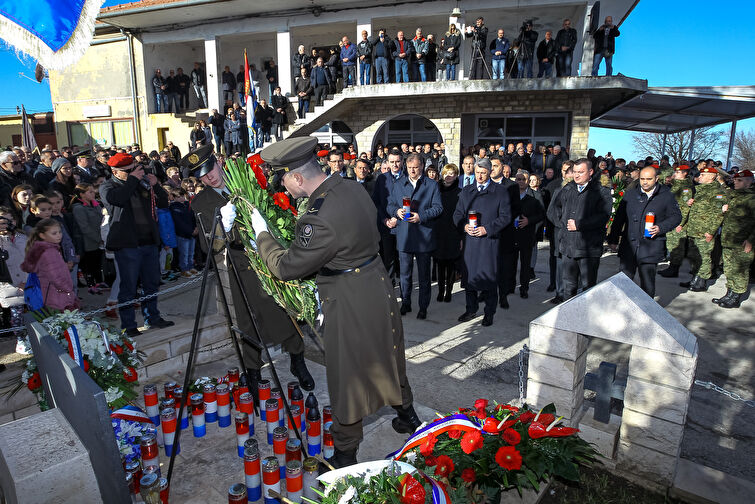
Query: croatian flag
x=251, y=106
x=54, y=32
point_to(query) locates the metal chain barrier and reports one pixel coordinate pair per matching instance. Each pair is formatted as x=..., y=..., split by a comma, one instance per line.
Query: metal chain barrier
x=197, y=278
x=522, y=355
x=731, y=395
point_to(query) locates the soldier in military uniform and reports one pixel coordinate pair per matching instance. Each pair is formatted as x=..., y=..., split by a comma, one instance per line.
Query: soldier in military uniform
x=275, y=324
x=683, y=190
x=338, y=240
x=705, y=217
x=737, y=239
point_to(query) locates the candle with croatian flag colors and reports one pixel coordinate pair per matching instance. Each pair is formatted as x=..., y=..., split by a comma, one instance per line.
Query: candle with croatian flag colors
x=276, y=394
x=252, y=470
x=280, y=436
x=327, y=414
x=291, y=386
x=197, y=415
x=150, y=403
x=293, y=450
x=237, y=494
x=233, y=375
x=178, y=396
x=296, y=415
x=297, y=399
x=263, y=391
x=242, y=430
x=294, y=481
x=168, y=422
x=649, y=222
x=149, y=450
x=472, y=219
x=245, y=403
x=210, y=403
x=313, y=432
x=327, y=440
x=407, y=207
x=164, y=490
x=271, y=410
x=169, y=387
x=271, y=479
x=310, y=472
x=224, y=405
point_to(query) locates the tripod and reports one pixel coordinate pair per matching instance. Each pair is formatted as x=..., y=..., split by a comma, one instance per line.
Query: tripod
x=477, y=53
x=233, y=269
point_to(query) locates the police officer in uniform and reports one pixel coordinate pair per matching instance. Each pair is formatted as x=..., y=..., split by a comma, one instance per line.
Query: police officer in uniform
x=275, y=324
x=705, y=217
x=337, y=239
x=737, y=239
x=683, y=190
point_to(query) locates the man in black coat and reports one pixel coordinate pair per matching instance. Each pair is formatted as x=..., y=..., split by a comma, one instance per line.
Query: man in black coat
x=552, y=230
x=582, y=210
x=566, y=41
x=605, y=46
x=643, y=243
x=546, y=55
x=363, y=175
x=507, y=237
x=386, y=223
x=492, y=212
x=531, y=212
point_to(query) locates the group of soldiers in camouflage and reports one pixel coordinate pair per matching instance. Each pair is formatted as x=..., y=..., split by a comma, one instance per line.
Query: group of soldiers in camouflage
x=707, y=207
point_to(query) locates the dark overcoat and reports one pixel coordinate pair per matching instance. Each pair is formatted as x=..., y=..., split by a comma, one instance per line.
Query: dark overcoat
x=590, y=210
x=447, y=235
x=364, y=337
x=532, y=208
x=480, y=265
x=381, y=193
x=425, y=201
x=275, y=325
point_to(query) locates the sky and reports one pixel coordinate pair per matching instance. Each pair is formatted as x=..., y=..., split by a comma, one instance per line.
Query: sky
x=667, y=42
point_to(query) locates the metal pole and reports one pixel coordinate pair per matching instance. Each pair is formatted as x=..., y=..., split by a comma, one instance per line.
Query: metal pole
x=663, y=148
x=732, y=134
x=692, y=147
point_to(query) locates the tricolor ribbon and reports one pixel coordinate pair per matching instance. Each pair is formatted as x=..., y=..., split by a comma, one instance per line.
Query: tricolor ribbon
x=74, y=345
x=453, y=422
x=440, y=496
x=132, y=414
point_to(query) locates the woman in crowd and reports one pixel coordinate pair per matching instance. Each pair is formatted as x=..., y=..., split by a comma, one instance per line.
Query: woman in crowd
x=197, y=136
x=232, y=138
x=207, y=133
x=21, y=198
x=63, y=181
x=43, y=257
x=88, y=215
x=447, y=235
x=12, y=278
x=450, y=51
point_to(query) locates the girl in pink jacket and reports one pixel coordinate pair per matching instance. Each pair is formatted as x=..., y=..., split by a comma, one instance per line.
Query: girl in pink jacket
x=44, y=258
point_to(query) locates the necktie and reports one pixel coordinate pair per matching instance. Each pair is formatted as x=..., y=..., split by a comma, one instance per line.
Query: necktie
x=479, y=188
x=468, y=180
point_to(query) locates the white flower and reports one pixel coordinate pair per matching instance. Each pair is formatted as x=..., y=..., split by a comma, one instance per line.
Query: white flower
x=112, y=394
x=347, y=495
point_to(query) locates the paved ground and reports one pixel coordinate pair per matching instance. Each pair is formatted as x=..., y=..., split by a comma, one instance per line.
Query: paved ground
x=450, y=364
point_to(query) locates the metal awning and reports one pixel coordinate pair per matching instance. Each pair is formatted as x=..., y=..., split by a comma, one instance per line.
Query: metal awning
x=674, y=109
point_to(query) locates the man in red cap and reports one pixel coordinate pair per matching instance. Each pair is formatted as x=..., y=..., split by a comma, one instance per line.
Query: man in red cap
x=737, y=239
x=705, y=217
x=132, y=198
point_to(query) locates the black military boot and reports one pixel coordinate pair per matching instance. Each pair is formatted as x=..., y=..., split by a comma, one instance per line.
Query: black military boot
x=343, y=458
x=299, y=369
x=725, y=297
x=698, y=284
x=670, y=272
x=733, y=302
x=687, y=284
x=406, y=422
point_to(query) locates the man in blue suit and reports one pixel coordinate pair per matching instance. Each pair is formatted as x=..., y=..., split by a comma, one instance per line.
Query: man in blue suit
x=386, y=223
x=414, y=230
x=467, y=172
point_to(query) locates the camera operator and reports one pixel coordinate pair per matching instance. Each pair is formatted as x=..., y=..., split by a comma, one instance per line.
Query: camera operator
x=132, y=198
x=479, y=35
x=527, y=39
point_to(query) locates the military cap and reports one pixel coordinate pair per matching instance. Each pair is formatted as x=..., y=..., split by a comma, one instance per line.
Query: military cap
x=743, y=174
x=709, y=169
x=289, y=154
x=682, y=167
x=201, y=159
x=120, y=160
x=484, y=163
x=322, y=153
x=86, y=153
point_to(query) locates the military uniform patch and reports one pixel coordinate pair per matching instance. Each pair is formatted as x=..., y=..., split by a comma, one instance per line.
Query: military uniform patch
x=305, y=234
x=316, y=206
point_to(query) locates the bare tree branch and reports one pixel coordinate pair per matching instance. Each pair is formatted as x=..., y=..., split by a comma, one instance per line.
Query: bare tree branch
x=744, y=150
x=708, y=142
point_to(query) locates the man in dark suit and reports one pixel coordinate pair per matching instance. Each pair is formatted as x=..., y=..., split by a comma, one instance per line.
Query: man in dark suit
x=499, y=175
x=386, y=223
x=363, y=175
x=491, y=209
x=414, y=232
x=582, y=209
x=531, y=212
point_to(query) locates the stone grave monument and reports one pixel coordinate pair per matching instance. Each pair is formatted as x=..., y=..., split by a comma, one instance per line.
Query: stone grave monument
x=643, y=443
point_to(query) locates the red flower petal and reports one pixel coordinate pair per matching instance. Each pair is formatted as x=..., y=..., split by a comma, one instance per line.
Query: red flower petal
x=511, y=436
x=546, y=419
x=509, y=458
x=471, y=441
x=34, y=382
x=468, y=475
x=455, y=433
x=526, y=417
x=536, y=430
x=426, y=448
x=445, y=466
x=412, y=491
x=561, y=431
x=508, y=407
x=431, y=461
x=480, y=404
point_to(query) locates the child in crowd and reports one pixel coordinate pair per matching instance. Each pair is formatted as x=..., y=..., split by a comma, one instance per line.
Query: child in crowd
x=40, y=208
x=12, y=278
x=168, y=239
x=66, y=245
x=186, y=229
x=43, y=257
x=87, y=213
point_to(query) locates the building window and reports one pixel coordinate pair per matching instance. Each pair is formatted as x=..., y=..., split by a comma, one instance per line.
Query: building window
x=335, y=133
x=538, y=129
x=103, y=133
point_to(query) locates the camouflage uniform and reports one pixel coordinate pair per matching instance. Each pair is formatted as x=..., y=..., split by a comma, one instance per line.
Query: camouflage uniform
x=676, y=243
x=738, y=226
x=705, y=216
